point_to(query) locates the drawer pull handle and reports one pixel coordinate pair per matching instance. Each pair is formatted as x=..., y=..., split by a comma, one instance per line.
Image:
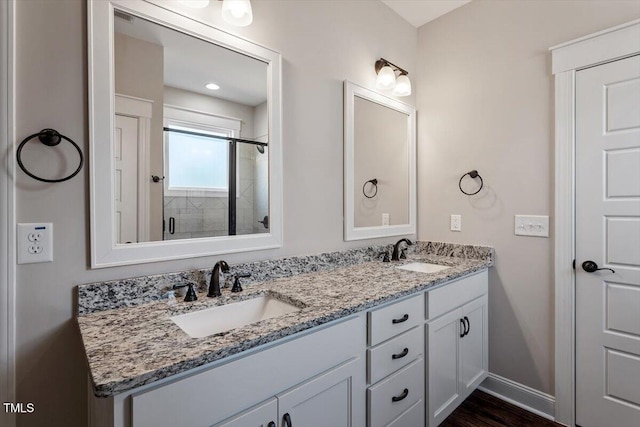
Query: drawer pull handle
x=464, y=328
x=404, y=394
x=286, y=418
x=400, y=320
x=400, y=355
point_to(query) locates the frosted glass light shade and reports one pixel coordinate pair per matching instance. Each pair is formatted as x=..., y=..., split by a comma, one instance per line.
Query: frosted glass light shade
x=195, y=4
x=403, y=86
x=386, y=78
x=237, y=12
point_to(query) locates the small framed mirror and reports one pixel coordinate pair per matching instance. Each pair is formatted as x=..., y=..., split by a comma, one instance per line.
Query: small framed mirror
x=185, y=137
x=379, y=165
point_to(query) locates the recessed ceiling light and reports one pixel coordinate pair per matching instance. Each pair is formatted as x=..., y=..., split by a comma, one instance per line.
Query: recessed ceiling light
x=212, y=86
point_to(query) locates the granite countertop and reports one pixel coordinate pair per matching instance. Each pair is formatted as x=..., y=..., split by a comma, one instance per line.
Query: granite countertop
x=132, y=346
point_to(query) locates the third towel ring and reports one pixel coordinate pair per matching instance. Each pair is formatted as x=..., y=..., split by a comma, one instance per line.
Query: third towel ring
x=472, y=174
x=374, y=183
x=51, y=138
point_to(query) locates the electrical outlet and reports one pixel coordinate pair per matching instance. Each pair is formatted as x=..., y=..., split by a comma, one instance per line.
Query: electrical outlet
x=35, y=243
x=385, y=219
x=531, y=225
x=456, y=222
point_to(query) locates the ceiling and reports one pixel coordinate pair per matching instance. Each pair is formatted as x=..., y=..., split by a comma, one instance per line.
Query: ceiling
x=190, y=63
x=419, y=12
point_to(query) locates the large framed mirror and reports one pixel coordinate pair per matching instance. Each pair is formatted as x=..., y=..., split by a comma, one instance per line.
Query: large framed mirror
x=379, y=165
x=185, y=137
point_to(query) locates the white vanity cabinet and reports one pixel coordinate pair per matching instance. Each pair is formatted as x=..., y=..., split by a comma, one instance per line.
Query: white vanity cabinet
x=320, y=402
x=298, y=379
x=395, y=364
x=457, y=342
x=406, y=363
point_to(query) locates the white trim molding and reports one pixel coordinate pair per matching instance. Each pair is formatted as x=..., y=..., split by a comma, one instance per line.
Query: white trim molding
x=351, y=232
x=7, y=213
x=520, y=395
x=605, y=46
x=141, y=110
x=105, y=252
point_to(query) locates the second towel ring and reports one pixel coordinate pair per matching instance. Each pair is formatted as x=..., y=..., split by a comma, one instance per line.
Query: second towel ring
x=472, y=174
x=374, y=183
x=51, y=138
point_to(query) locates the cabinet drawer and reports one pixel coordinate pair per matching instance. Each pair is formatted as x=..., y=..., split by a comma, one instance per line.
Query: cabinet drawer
x=405, y=347
x=394, y=395
x=412, y=417
x=394, y=319
x=455, y=294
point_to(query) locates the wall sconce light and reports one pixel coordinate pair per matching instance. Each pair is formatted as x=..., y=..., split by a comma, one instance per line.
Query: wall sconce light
x=234, y=12
x=387, y=79
x=237, y=12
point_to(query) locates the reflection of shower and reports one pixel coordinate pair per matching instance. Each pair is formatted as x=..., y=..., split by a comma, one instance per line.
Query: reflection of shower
x=232, y=168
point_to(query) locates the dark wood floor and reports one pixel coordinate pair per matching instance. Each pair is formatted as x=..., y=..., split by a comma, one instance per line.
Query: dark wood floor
x=483, y=410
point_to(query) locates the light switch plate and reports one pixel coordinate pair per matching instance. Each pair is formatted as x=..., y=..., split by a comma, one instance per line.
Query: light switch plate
x=35, y=243
x=532, y=225
x=456, y=222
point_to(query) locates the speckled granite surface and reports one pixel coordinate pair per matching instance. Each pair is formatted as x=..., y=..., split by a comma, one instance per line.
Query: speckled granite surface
x=128, y=347
x=141, y=290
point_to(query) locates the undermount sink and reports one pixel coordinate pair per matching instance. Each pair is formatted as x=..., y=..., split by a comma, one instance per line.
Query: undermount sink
x=226, y=317
x=423, y=267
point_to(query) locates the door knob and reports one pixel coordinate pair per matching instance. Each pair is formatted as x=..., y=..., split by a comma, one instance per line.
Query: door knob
x=590, y=267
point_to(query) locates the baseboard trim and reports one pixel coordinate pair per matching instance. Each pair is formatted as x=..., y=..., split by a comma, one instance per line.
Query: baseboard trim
x=520, y=395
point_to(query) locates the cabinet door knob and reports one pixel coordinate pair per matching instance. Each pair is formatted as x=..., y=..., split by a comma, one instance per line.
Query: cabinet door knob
x=286, y=418
x=400, y=320
x=464, y=328
x=468, y=329
x=400, y=355
x=402, y=395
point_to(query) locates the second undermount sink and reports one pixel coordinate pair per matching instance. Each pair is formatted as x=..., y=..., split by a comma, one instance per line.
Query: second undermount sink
x=226, y=317
x=423, y=267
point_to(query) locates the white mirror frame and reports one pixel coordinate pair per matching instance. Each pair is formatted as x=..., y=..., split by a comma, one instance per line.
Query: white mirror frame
x=351, y=91
x=104, y=250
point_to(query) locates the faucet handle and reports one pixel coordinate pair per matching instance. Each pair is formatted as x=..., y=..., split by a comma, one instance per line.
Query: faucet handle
x=191, y=293
x=386, y=256
x=236, y=283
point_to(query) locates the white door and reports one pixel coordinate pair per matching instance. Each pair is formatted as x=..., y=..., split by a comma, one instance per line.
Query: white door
x=474, y=354
x=126, y=178
x=443, y=367
x=262, y=415
x=608, y=233
x=325, y=401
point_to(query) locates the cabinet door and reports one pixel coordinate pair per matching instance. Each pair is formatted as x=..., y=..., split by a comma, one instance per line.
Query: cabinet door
x=443, y=337
x=326, y=400
x=474, y=352
x=262, y=415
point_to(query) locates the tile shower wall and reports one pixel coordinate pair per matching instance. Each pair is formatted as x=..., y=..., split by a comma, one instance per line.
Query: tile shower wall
x=208, y=216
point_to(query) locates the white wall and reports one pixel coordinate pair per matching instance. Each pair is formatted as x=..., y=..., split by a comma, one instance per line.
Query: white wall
x=485, y=102
x=381, y=151
x=138, y=70
x=321, y=42
x=212, y=105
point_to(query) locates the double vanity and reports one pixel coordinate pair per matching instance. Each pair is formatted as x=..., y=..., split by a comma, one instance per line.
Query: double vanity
x=340, y=339
x=331, y=340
